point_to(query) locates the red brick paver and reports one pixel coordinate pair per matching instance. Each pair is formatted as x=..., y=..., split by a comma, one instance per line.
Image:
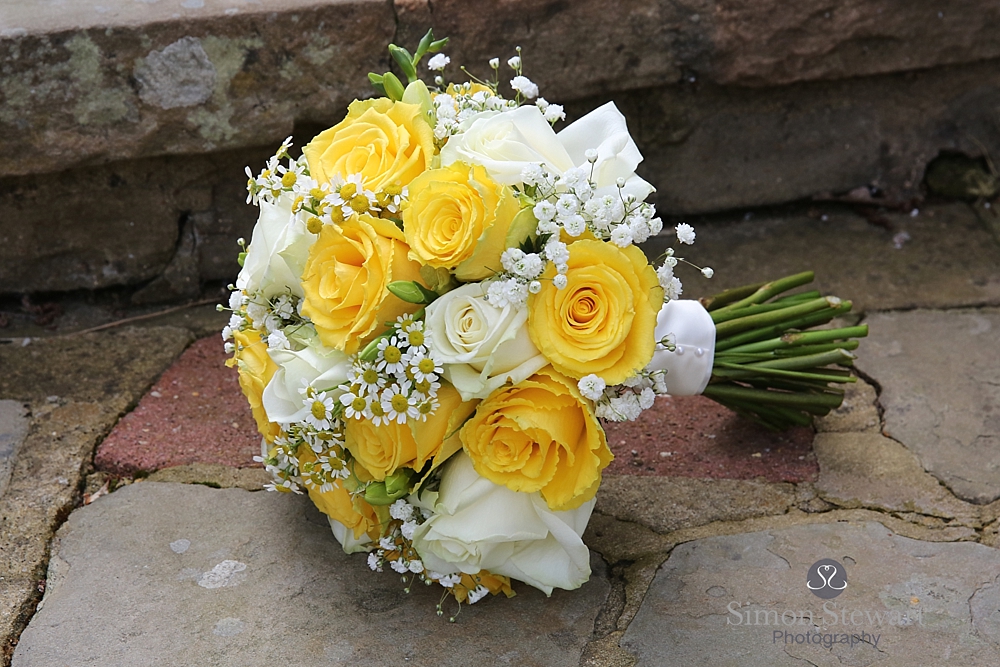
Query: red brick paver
x=692, y=436
x=195, y=413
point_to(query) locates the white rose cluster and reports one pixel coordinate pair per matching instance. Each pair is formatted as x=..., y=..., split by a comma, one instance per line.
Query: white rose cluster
x=478, y=525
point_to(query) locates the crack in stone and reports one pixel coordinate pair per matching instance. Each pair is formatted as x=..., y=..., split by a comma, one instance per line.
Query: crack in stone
x=777, y=555
x=795, y=657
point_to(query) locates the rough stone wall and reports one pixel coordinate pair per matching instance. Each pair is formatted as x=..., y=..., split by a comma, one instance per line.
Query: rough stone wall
x=125, y=133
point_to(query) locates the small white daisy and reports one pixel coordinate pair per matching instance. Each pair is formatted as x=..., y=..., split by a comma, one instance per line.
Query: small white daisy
x=397, y=405
x=390, y=356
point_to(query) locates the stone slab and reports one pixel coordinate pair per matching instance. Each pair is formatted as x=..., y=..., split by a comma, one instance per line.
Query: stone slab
x=176, y=77
x=873, y=471
x=938, y=371
x=665, y=504
x=857, y=414
x=124, y=590
x=693, y=436
x=93, y=367
x=944, y=596
x=160, y=78
x=194, y=413
x=71, y=222
x=13, y=429
x=43, y=489
x=122, y=223
x=77, y=315
x=712, y=148
x=76, y=389
x=949, y=260
x=214, y=475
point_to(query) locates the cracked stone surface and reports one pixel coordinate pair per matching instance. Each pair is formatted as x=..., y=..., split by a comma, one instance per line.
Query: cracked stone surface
x=938, y=601
x=940, y=378
x=13, y=428
x=858, y=412
x=871, y=470
x=664, y=504
x=229, y=577
x=76, y=388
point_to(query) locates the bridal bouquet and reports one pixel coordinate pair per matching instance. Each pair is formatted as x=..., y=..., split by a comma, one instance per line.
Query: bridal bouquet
x=443, y=299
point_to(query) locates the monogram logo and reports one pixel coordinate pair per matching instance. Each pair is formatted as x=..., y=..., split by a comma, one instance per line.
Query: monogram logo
x=826, y=579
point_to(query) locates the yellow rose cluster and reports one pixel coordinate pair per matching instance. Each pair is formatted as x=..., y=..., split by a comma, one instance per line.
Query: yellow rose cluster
x=441, y=301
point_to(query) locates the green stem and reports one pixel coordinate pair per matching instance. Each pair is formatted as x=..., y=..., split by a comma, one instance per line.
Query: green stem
x=757, y=321
x=804, y=338
x=803, y=350
x=773, y=288
x=802, y=386
x=738, y=372
x=785, y=352
x=800, y=296
x=837, y=356
x=726, y=315
x=766, y=367
x=809, y=337
x=813, y=403
x=773, y=417
x=813, y=319
x=719, y=300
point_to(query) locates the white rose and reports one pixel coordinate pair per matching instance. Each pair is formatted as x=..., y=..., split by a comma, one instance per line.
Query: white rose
x=604, y=129
x=346, y=538
x=322, y=368
x=278, y=251
x=481, y=346
x=505, y=143
x=479, y=525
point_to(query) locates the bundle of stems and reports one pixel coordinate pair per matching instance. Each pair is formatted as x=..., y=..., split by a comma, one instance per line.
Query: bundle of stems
x=772, y=364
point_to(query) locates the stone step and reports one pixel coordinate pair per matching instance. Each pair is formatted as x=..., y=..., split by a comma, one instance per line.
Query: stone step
x=228, y=577
x=85, y=83
x=126, y=127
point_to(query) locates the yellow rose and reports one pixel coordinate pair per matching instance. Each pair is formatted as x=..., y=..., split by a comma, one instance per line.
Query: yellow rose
x=345, y=278
x=256, y=369
x=383, y=450
x=337, y=503
x=604, y=320
x=458, y=218
x=539, y=435
x=386, y=142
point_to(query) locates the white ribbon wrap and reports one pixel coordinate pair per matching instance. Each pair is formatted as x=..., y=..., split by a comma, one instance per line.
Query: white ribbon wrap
x=689, y=366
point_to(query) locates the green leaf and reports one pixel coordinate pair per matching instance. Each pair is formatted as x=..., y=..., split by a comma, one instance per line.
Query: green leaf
x=429, y=295
x=241, y=258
